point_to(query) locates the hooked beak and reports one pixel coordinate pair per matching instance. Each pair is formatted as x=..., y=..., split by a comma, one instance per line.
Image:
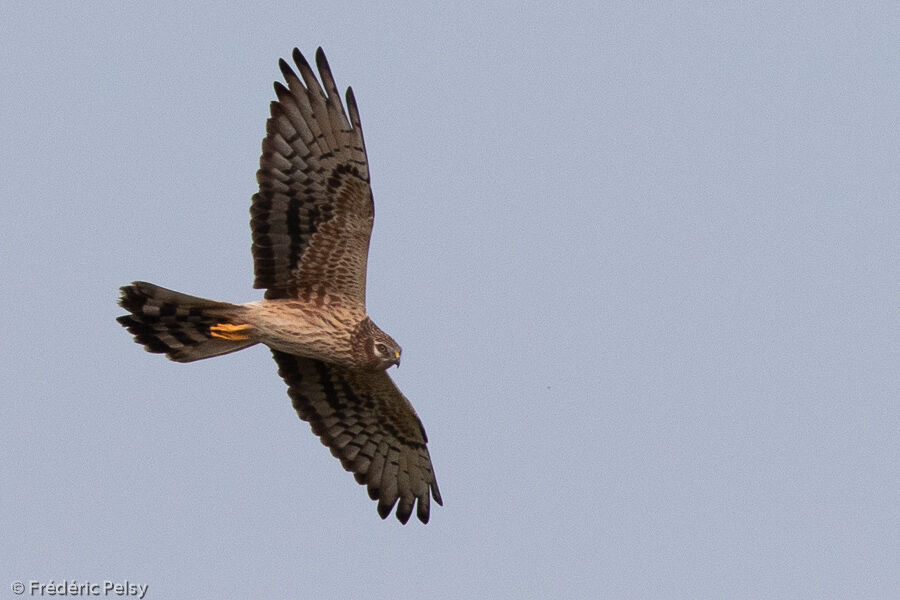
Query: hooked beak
x=397, y=359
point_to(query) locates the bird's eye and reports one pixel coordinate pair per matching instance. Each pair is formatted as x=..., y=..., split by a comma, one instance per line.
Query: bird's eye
x=382, y=349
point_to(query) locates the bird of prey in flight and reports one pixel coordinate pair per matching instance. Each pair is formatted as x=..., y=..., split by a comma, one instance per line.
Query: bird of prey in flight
x=311, y=221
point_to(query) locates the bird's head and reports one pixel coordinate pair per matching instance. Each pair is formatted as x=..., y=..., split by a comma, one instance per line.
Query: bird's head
x=385, y=350
x=373, y=348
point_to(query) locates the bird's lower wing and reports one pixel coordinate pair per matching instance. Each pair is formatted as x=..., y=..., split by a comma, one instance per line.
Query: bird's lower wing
x=370, y=426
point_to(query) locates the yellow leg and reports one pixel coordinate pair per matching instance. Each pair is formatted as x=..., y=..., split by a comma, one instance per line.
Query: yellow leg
x=227, y=331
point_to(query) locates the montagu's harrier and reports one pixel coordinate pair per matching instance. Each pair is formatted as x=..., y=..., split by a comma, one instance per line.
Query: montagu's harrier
x=311, y=222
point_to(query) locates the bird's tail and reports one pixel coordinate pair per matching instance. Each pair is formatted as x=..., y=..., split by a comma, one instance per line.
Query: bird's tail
x=185, y=328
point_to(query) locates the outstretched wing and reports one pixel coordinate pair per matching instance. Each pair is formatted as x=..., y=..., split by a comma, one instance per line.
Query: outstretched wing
x=312, y=217
x=370, y=426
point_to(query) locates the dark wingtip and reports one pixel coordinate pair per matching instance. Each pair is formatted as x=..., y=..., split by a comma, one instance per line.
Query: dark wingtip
x=287, y=72
x=422, y=512
x=403, y=515
x=322, y=65
x=281, y=91
x=298, y=57
x=436, y=493
x=386, y=506
x=285, y=68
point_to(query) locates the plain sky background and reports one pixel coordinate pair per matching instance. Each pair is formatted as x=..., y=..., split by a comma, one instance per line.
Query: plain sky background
x=642, y=260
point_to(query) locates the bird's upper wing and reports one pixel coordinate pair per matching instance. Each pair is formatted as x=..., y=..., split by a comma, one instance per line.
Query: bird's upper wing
x=370, y=426
x=312, y=217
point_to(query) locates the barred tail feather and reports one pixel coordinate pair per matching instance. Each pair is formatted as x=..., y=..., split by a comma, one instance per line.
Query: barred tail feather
x=176, y=324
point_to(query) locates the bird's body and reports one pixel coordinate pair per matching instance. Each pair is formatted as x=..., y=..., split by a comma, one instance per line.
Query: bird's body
x=311, y=222
x=298, y=328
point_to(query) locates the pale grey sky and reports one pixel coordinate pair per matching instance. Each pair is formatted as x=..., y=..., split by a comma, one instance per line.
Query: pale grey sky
x=642, y=263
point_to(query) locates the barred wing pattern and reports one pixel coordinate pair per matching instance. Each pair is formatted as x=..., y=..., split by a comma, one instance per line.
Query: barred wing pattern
x=312, y=217
x=370, y=426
